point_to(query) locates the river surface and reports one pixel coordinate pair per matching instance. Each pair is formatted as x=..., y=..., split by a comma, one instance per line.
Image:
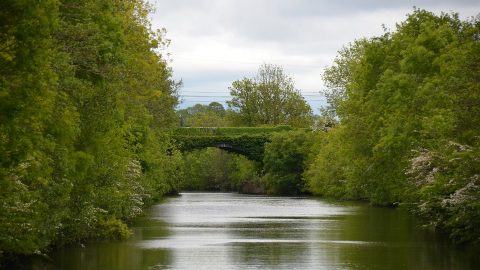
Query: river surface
x=233, y=231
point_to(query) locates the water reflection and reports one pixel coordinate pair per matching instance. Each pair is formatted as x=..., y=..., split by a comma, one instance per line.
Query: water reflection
x=231, y=231
x=401, y=244
x=121, y=255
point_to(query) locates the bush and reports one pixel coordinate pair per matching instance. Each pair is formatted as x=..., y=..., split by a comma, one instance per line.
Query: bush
x=112, y=228
x=445, y=187
x=285, y=160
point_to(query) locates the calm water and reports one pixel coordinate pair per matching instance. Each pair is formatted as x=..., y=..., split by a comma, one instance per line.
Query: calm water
x=232, y=231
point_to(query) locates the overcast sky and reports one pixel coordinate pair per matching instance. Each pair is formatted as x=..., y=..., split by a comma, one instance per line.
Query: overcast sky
x=214, y=42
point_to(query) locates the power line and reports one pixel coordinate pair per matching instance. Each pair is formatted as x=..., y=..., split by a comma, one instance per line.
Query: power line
x=221, y=92
x=213, y=96
x=210, y=59
x=191, y=96
x=206, y=96
x=205, y=100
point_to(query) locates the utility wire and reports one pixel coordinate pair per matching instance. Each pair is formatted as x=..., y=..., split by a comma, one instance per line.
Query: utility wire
x=228, y=96
x=209, y=59
x=212, y=96
x=222, y=100
x=220, y=92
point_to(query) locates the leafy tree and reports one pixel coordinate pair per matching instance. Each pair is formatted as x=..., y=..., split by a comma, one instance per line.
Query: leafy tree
x=125, y=98
x=401, y=98
x=36, y=124
x=211, y=115
x=216, y=108
x=285, y=160
x=269, y=99
x=207, y=169
x=213, y=169
x=84, y=100
x=244, y=175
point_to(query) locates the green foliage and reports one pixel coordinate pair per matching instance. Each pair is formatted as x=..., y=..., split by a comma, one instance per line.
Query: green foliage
x=28, y=150
x=284, y=162
x=207, y=169
x=229, y=131
x=112, y=229
x=446, y=187
x=414, y=88
x=328, y=174
x=244, y=175
x=250, y=146
x=85, y=100
x=211, y=115
x=215, y=170
x=248, y=141
x=268, y=99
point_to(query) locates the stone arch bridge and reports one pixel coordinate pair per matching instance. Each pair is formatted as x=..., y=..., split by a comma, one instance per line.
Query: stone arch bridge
x=247, y=141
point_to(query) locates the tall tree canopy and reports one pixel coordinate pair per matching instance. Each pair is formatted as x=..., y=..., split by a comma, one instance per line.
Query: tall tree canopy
x=84, y=99
x=409, y=109
x=269, y=99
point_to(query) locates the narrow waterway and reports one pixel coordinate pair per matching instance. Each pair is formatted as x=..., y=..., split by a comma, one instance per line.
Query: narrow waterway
x=232, y=231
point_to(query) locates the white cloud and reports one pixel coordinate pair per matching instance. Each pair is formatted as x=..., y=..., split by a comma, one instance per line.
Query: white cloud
x=215, y=42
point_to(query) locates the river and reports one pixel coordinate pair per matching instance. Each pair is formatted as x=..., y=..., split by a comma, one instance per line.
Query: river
x=233, y=231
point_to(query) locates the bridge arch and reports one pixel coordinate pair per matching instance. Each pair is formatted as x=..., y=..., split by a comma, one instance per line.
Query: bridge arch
x=250, y=146
x=247, y=141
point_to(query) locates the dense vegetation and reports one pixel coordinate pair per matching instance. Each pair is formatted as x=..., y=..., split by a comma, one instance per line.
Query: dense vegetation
x=265, y=159
x=211, y=115
x=402, y=127
x=270, y=103
x=84, y=99
x=229, y=131
x=285, y=159
x=409, y=109
x=251, y=146
x=213, y=169
x=269, y=99
x=87, y=106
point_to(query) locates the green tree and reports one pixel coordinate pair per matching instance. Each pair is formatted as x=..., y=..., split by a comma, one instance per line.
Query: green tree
x=125, y=97
x=245, y=175
x=269, y=99
x=36, y=128
x=211, y=115
x=84, y=100
x=216, y=108
x=285, y=160
x=398, y=96
x=207, y=169
x=207, y=119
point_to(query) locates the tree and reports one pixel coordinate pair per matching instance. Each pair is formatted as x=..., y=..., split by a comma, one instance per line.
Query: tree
x=269, y=99
x=216, y=108
x=84, y=99
x=408, y=105
x=37, y=128
x=285, y=160
x=211, y=115
x=123, y=91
